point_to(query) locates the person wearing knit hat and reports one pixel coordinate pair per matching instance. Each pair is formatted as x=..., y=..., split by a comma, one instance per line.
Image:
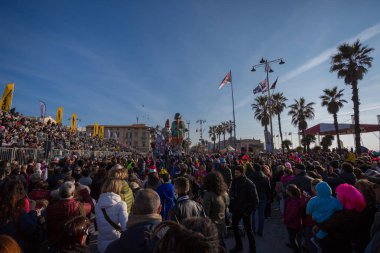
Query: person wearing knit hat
x=288, y=165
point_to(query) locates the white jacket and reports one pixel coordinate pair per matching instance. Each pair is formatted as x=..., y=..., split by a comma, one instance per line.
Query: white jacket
x=117, y=211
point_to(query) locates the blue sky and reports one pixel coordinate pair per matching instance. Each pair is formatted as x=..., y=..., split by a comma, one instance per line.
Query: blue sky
x=105, y=59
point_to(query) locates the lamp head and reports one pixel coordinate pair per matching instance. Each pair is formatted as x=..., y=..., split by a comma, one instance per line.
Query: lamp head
x=262, y=60
x=270, y=70
x=281, y=62
x=253, y=69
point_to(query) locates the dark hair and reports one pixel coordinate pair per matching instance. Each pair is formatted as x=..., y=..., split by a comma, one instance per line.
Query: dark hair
x=293, y=189
x=214, y=182
x=165, y=177
x=73, y=230
x=195, y=234
x=347, y=167
x=367, y=189
x=12, y=199
x=182, y=184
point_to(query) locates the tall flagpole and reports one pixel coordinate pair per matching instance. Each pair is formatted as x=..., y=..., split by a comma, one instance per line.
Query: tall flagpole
x=233, y=112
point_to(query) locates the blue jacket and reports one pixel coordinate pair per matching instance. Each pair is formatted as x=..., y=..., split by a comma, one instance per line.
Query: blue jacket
x=323, y=206
x=135, y=240
x=166, y=193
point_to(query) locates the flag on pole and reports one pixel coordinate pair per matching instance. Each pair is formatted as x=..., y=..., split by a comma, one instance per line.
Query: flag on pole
x=73, y=125
x=6, y=100
x=58, y=118
x=257, y=89
x=273, y=86
x=96, y=129
x=101, y=132
x=264, y=85
x=42, y=109
x=227, y=80
x=109, y=134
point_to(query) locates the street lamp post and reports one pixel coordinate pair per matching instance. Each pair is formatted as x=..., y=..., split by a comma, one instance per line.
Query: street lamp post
x=378, y=122
x=201, y=122
x=266, y=65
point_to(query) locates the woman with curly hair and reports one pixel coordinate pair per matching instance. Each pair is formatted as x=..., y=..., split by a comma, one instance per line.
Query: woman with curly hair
x=215, y=201
x=194, y=234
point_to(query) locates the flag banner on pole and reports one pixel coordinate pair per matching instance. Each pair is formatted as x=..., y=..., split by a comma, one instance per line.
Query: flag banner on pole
x=273, y=86
x=6, y=100
x=257, y=89
x=42, y=109
x=109, y=134
x=227, y=80
x=264, y=85
x=59, y=116
x=101, y=132
x=73, y=125
x=96, y=129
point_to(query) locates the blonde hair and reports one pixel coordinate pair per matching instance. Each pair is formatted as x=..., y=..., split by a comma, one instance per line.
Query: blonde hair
x=114, y=185
x=118, y=174
x=8, y=245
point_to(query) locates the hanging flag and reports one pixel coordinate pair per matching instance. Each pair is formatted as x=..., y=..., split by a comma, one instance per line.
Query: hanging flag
x=101, y=132
x=257, y=89
x=58, y=118
x=73, y=125
x=96, y=129
x=227, y=80
x=6, y=100
x=42, y=109
x=273, y=86
x=264, y=85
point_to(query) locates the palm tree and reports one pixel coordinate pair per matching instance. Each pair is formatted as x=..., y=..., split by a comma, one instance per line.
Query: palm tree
x=287, y=144
x=212, y=135
x=219, y=132
x=301, y=112
x=352, y=63
x=261, y=113
x=332, y=99
x=230, y=128
x=326, y=141
x=307, y=140
x=278, y=107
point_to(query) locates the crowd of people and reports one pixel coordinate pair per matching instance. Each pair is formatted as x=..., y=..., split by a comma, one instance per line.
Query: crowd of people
x=19, y=131
x=328, y=201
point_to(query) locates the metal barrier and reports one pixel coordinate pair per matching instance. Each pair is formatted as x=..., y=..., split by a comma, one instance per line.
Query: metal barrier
x=22, y=155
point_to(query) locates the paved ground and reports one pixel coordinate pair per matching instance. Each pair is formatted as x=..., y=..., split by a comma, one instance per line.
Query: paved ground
x=273, y=240
x=274, y=236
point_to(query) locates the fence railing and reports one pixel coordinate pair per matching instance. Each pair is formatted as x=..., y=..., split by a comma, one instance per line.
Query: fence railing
x=22, y=155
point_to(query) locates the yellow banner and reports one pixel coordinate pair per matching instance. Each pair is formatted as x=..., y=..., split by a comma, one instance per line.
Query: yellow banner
x=6, y=100
x=101, y=132
x=59, y=116
x=73, y=125
x=96, y=129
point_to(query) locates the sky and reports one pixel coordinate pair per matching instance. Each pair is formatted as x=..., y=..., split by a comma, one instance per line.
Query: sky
x=113, y=61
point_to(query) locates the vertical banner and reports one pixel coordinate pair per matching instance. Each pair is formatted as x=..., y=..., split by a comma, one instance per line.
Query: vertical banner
x=268, y=145
x=101, y=132
x=73, y=125
x=109, y=133
x=42, y=109
x=95, y=130
x=59, y=116
x=6, y=100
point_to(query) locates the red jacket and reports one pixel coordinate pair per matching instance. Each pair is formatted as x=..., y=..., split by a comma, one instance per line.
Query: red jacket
x=293, y=213
x=57, y=213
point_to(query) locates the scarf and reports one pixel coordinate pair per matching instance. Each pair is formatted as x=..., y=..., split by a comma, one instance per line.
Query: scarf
x=134, y=219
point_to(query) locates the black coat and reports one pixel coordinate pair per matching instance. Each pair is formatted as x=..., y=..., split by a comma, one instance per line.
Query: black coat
x=262, y=184
x=302, y=181
x=185, y=209
x=243, y=196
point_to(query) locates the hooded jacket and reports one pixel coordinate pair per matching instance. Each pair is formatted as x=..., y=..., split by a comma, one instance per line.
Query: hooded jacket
x=116, y=209
x=323, y=206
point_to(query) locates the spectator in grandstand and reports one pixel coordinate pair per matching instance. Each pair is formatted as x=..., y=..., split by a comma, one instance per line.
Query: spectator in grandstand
x=143, y=219
x=111, y=213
